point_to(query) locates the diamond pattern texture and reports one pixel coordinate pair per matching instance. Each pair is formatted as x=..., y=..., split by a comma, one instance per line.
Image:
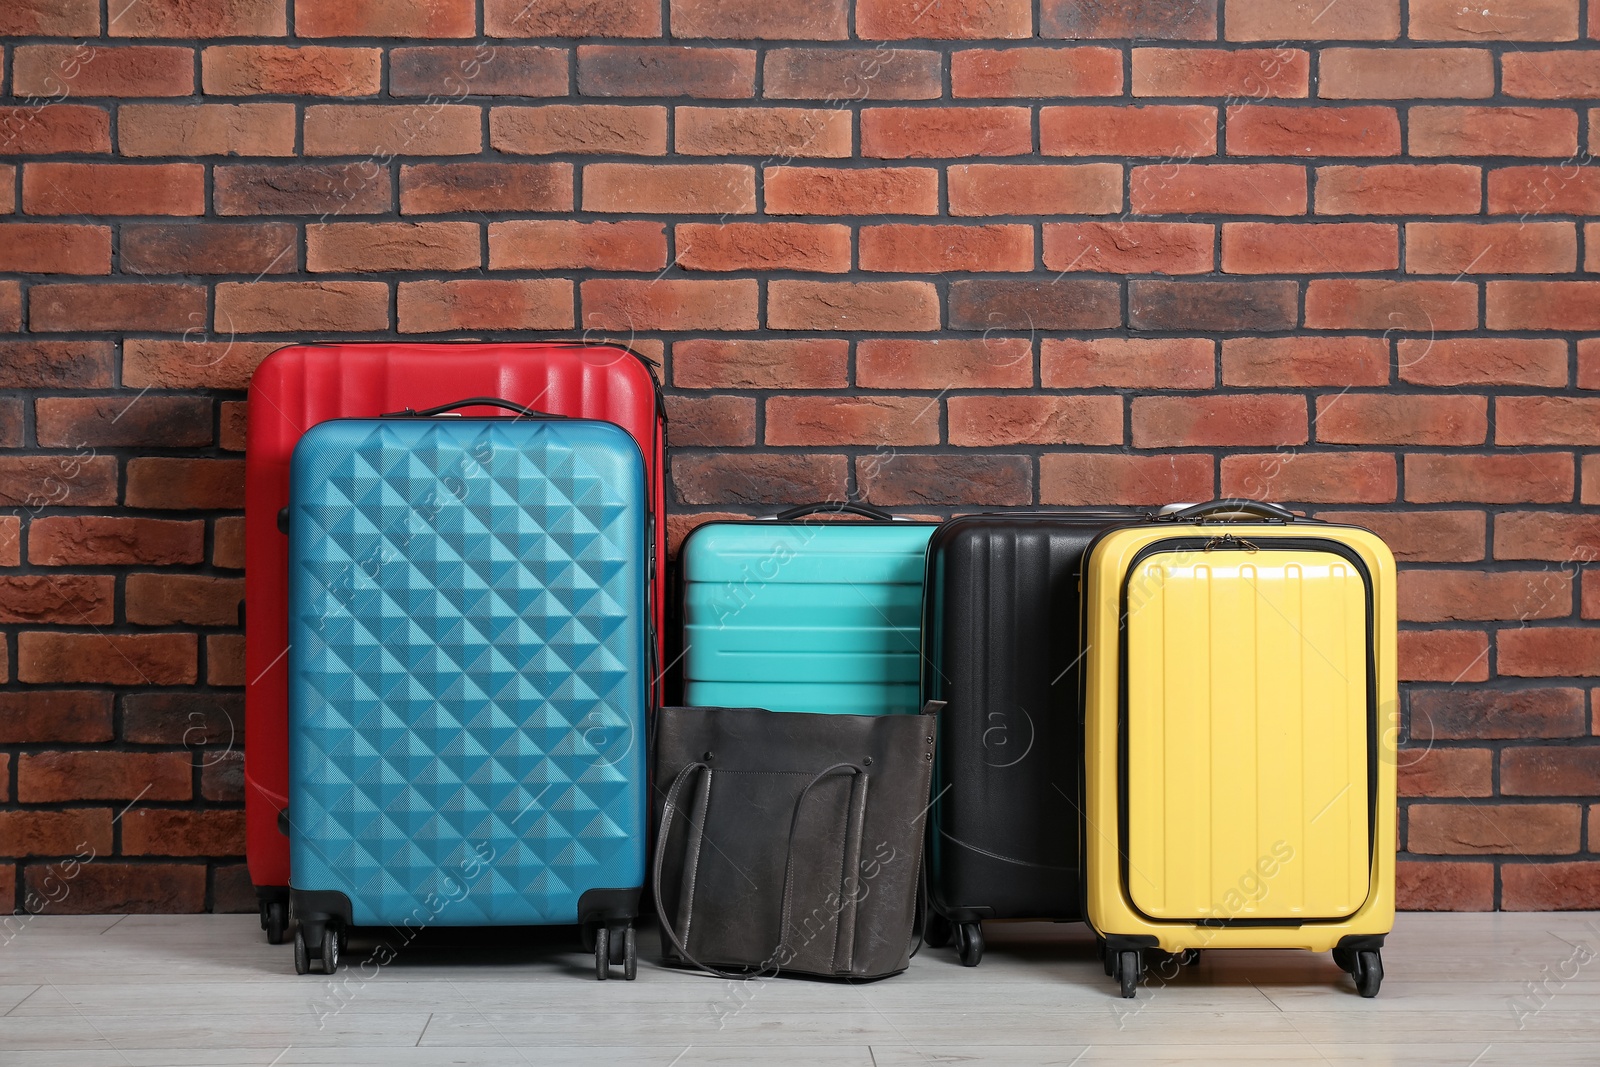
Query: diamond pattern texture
x=467, y=667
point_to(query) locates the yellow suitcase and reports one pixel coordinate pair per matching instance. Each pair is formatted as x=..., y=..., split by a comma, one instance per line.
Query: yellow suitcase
x=1240, y=726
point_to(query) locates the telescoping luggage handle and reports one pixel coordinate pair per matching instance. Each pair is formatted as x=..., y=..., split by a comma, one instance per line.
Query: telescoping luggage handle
x=835, y=507
x=1217, y=509
x=471, y=402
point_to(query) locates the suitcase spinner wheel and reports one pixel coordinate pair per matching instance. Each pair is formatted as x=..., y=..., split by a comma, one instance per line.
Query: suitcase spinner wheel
x=329, y=939
x=969, y=943
x=1129, y=969
x=615, y=946
x=275, y=920
x=1368, y=973
x=1364, y=965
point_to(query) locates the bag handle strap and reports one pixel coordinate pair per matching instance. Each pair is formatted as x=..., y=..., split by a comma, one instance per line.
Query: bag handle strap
x=835, y=507
x=788, y=865
x=472, y=402
x=1258, y=508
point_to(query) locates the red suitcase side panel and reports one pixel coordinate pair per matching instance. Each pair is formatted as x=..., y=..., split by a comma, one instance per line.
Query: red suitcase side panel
x=296, y=388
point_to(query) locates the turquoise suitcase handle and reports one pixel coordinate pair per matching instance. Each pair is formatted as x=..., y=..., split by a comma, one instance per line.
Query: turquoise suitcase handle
x=838, y=507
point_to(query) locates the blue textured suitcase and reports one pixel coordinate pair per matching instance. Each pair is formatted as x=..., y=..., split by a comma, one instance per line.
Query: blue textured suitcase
x=469, y=675
x=795, y=615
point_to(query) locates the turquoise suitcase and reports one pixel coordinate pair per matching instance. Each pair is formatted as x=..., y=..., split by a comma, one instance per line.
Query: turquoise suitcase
x=794, y=615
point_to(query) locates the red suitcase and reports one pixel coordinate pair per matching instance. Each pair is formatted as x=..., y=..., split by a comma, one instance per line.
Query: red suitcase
x=295, y=388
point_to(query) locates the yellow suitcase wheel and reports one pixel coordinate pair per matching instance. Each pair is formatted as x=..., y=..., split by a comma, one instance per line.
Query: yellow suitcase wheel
x=1368, y=972
x=1130, y=968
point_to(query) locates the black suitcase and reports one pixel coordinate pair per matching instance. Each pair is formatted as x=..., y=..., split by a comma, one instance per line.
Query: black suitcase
x=1001, y=646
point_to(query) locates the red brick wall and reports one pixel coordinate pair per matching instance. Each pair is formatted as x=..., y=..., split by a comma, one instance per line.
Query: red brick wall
x=933, y=256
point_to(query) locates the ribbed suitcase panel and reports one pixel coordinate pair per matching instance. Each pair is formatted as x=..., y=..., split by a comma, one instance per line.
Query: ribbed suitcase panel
x=812, y=616
x=1248, y=726
x=1003, y=651
x=467, y=667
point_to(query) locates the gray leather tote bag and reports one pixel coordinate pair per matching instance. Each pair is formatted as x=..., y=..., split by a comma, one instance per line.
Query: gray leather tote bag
x=790, y=843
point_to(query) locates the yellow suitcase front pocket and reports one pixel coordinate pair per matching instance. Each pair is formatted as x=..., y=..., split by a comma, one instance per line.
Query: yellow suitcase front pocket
x=1248, y=725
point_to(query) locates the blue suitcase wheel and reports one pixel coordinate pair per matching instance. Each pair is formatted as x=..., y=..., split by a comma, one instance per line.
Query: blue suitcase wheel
x=327, y=938
x=331, y=943
x=602, y=954
x=615, y=947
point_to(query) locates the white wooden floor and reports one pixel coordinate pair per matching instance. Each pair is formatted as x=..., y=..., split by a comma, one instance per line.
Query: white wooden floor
x=147, y=991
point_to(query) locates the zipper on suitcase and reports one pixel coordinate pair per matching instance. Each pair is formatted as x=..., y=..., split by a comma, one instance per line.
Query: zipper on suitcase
x=1230, y=542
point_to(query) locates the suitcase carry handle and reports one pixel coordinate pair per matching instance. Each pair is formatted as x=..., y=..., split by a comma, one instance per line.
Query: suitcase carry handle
x=471, y=402
x=836, y=507
x=1259, y=508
